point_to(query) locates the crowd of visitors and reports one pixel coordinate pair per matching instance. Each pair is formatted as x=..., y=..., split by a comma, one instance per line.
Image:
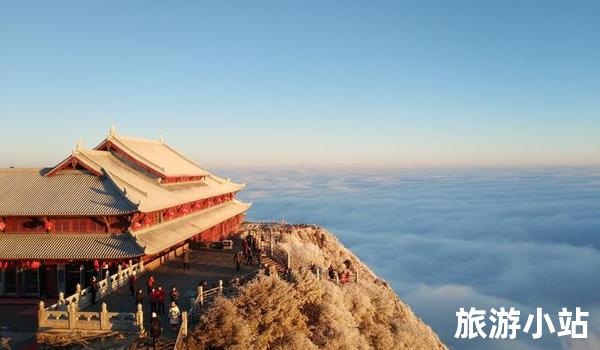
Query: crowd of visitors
x=250, y=252
x=154, y=298
x=344, y=276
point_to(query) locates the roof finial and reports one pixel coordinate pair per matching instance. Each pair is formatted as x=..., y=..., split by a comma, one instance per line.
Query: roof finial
x=112, y=130
x=78, y=145
x=162, y=137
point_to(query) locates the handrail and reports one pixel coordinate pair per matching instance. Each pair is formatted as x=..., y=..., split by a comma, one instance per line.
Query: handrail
x=82, y=297
x=73, y=319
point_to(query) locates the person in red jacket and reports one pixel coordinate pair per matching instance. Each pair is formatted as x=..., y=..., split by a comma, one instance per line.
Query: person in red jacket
x=150, y=284
x=132, y=280
x=161, y=300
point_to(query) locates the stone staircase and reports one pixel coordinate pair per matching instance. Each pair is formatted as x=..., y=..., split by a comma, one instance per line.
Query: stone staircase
x=267, y=260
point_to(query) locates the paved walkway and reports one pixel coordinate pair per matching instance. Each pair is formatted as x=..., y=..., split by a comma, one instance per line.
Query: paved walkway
x=205, y=264
x=20, y=321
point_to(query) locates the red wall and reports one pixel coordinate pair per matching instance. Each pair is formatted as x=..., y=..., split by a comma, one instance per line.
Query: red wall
x=117, y=224
x=64, y=225
x=143, y=220
x=221, y=231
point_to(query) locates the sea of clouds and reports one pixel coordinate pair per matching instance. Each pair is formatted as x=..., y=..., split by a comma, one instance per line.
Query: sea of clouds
x=446, y=239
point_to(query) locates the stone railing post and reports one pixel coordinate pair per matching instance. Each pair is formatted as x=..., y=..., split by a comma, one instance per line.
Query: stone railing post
x=337, y=279
x=141, y=265
x=271, y=244
x=139, y=318
x=72, y=315
x=318, y=273
x=201, y=295
x=119, y=271
x=184, y=323
x=220, y=286
x=289, y=261
x=104, y=317
x=108, y=282
x=78, y=293
x=41, y=315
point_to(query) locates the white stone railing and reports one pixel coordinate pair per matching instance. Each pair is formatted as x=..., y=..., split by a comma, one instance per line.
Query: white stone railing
x=282, y=257
x=73, y=319
x=195, y=305
x=203, y=296
x=82, y=298
x=271, y=249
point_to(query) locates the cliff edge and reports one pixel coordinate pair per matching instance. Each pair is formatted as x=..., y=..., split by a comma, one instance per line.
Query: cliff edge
x=310, y=313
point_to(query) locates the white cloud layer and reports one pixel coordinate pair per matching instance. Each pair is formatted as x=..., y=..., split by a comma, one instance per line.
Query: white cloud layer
x=451, y=238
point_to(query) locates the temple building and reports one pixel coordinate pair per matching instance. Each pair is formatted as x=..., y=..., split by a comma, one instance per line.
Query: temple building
x=125, y=200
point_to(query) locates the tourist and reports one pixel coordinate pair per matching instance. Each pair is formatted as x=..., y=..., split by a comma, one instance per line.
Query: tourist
x=317, y=270
x=251, y=243
x=150, y=284
x=288, y=276
x=203, y=284
x=346, y=275
x=93, y=289
x=186, y=259
x=258, y=253
x=174, y=295
x=249, y=257
x=331, y=272
x=245, y=248
x=132, y=280
x=161, y=300
x=153, y=300
x=139, y=297
x=155, y=329
x=238, y=258
x=174, y=316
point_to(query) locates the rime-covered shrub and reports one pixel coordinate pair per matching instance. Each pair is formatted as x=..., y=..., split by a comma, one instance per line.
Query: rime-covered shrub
x=308, y=313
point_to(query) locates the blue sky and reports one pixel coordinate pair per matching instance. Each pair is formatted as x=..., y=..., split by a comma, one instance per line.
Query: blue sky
x=320, y=83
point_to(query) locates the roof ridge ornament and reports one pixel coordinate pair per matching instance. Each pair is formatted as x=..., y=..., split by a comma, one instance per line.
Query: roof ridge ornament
x=78, y=145
x=112, y=131
x=162, y=137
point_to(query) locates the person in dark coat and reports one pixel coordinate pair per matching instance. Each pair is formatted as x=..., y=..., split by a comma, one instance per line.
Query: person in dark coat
x=93, y=289
x=132, y=280
x=174, y=295
x=153, y=300
x=238, y=258
x=155, y=330
x=331, y=272
x=258, y=253
x=249, y=257
x=245, y=248
x=186, y=259
x=139, y=297
x=160, y=292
